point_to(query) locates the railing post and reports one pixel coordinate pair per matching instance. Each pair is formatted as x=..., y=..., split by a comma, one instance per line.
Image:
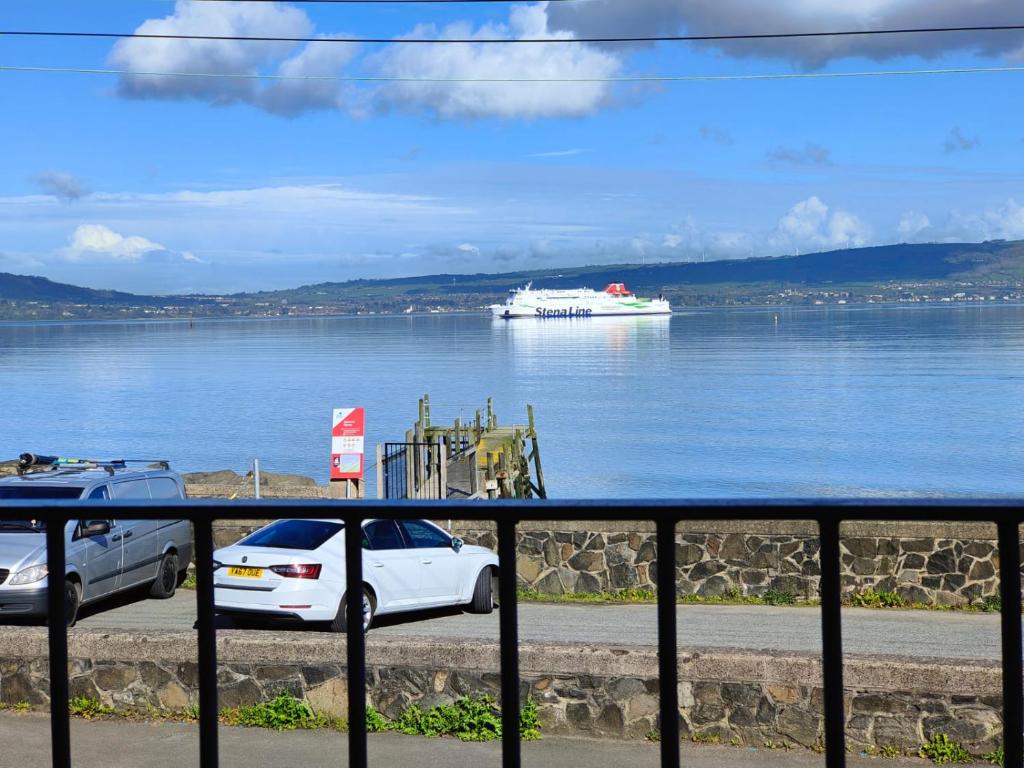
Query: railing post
x=356, y=642
x=668, y=662
x=832, y=643
x=509, y=641
x=60, y=732
x=207, y=650
x=1009, y=591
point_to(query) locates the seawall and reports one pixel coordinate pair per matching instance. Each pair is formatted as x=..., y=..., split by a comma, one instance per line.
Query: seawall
x=737, y=696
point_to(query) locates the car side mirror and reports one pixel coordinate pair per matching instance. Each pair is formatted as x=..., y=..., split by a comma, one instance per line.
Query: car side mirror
x=95, y=528
x=457, y=543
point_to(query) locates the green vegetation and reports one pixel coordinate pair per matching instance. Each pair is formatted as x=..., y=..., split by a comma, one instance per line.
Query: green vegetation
x=732, y=596
x=941, y=750
x=469, y=718
x=706, y=738
x=995, y=757
x=189, y=582
x=991, y=604
x=90, y=709
x=285, y=713
x=870, y=598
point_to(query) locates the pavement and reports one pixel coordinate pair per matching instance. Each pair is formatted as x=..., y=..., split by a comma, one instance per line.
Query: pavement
x=865, y=631
x=120, y=744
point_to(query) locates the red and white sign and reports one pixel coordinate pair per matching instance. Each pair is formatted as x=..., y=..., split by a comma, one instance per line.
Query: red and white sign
x=347, y=452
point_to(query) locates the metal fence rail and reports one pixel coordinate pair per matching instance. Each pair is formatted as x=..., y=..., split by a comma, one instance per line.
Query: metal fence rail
x=828, y=515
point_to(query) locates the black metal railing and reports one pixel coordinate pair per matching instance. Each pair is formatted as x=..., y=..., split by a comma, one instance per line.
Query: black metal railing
x=1007, y=515
x=412, y=470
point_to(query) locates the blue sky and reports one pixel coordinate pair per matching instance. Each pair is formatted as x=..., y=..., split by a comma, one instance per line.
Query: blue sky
x=173, y=184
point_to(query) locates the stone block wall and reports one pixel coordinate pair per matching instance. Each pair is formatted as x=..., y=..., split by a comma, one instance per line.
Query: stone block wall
x=740, y=697
x=935, y=564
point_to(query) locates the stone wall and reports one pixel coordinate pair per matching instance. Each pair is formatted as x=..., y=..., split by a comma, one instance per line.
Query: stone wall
x=941, y=563
x=737, y=696
x=929, y=563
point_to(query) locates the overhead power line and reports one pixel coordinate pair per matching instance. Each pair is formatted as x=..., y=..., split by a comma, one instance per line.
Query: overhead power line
x=508, y=40
x=622, y=79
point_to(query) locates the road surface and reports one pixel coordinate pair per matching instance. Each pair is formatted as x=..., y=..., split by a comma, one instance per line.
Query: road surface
x=118, y=744
x=865, y=631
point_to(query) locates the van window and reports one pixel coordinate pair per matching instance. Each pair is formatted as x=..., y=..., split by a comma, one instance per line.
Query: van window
x=131, y=489
x=100, y=493
x=163, y=488
x=39, y=492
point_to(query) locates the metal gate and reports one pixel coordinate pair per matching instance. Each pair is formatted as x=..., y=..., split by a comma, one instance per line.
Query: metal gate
x=413, y=471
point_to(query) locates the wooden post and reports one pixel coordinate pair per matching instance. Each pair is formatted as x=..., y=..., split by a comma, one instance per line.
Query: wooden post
x=535, y=454
x=410, y=460
x=491, y=476
x=458, y=436
x=478, y=431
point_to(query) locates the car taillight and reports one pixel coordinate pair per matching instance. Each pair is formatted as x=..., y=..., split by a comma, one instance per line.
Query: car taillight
x=309, y=571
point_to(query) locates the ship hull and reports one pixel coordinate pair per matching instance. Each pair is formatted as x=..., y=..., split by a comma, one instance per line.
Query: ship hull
x=551, y=311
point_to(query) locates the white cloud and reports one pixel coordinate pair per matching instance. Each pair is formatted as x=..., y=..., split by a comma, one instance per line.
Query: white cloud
x=96, y=238
x=810, y=224
x=646, y=17
x=911, y=225
x=1005, y=222
x=496, y=61
x=468, y=248
x=90, y=240
x=672, y=241
x=200, y=56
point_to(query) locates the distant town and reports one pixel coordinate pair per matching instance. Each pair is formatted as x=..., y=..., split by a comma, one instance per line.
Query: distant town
x=945, y=273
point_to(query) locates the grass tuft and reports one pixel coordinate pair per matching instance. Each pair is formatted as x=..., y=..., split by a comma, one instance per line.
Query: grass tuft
x=942, y=750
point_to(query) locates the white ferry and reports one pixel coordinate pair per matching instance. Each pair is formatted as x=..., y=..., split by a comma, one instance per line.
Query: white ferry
x=616, y=299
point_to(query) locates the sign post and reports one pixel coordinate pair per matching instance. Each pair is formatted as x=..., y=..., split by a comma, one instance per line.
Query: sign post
x=347, y=453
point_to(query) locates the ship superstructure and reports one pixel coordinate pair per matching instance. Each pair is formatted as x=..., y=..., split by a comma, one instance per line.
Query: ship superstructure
x=616, y=299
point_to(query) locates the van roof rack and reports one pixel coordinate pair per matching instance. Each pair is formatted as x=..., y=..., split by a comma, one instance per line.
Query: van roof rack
x=31, y=462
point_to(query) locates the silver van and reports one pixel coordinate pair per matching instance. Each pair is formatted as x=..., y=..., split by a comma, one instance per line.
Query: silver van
x=104, y=555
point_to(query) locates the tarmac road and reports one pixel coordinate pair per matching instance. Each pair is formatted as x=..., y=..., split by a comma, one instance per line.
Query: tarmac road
x=118, y=744
x=865, y=631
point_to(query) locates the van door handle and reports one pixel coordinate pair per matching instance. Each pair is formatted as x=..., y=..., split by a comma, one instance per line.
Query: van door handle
x=128, y=535
x=377, y=565
x=116, y=537
x=426, y=561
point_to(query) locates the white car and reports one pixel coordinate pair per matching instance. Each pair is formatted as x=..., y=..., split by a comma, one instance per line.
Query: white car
x=296, y=569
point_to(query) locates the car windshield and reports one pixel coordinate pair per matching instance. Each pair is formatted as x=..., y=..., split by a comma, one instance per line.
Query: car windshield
x=293, y=534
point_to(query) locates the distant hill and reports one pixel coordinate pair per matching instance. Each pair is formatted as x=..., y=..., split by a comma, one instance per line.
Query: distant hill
x=997, y=260
x=30, y=288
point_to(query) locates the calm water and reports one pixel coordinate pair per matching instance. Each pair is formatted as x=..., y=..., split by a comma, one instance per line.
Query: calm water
x=850, y=401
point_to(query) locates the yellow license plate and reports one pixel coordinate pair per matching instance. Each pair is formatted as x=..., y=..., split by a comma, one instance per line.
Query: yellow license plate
x=248, y=573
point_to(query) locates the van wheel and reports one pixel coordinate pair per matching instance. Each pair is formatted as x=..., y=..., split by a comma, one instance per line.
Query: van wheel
x=340, y=623
x=483, y=598
x=72, y=600
x=166, y=578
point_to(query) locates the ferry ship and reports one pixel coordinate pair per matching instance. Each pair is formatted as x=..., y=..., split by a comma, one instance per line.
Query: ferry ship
x=616, y=299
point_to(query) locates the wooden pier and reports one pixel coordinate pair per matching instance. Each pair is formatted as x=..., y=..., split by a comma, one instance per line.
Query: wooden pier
x=479, y=460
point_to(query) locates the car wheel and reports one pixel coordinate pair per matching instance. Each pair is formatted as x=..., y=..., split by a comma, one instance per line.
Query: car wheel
x=72, y=600
x=166, y=578
x=340, y=623
x=483, y=599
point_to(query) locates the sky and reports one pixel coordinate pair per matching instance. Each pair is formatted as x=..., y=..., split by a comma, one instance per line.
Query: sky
x=159, y=184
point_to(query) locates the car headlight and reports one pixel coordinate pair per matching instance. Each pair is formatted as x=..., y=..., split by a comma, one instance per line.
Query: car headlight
x=29, y=575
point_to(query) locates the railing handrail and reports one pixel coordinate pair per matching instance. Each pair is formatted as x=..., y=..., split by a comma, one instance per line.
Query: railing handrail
x=828, y=514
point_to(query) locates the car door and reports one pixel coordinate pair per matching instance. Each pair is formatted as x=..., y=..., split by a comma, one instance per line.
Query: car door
x=139, y=537
x=102, y=554
x=389, y=563
x=439, y=564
